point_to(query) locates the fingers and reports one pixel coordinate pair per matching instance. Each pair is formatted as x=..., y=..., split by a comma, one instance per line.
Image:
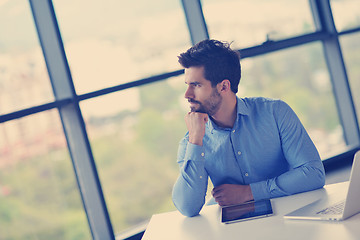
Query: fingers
x=217, y=190
x=221, y=200
x=197, y=116
x=217, y=194
x=229, y=194
x=195, y=123
x=204, y=116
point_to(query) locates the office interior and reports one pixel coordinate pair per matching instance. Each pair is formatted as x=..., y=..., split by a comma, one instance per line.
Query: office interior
x=92, y=100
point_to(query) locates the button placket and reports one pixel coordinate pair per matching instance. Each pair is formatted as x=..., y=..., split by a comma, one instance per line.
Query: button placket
x=238, y=153
x=202, y=155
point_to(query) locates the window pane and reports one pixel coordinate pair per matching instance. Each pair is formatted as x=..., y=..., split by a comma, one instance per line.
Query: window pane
x=23, y=76
x=112, y=42
x=350, y=45
x=38, y=193
x=346, y=13
x=135, y=144
x=248, y=22
x=299, y=77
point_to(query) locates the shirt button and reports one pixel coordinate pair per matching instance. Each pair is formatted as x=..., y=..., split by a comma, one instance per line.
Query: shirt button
x=239, y=153
x=234, y=131
x=246, y=174
x=202, y=154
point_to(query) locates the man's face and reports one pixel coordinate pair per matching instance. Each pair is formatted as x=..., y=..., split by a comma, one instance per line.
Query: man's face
x=200, y=94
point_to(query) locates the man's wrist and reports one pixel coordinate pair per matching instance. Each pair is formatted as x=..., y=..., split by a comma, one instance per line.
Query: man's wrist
x=250, y=195
x=196, y=140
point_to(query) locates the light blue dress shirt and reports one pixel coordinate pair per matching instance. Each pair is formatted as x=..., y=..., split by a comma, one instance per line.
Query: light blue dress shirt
x=267, y=148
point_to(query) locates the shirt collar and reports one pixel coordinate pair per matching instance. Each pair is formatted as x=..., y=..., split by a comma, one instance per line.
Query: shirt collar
x=242, y=109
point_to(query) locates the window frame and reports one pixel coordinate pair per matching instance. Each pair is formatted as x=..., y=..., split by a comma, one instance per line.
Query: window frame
x=67, y=101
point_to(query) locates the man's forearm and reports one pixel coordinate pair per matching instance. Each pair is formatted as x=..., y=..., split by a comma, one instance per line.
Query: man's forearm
x=189, y=192
x=190, y=188
x=308, y=177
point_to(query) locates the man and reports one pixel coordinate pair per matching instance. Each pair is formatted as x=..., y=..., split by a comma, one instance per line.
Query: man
x=251, y=148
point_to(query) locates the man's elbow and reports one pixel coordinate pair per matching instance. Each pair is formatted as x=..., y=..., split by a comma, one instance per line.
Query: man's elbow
x=318, y=177
x=188, y=213
x=186, y=208
x=321, y=180
x=321, y=175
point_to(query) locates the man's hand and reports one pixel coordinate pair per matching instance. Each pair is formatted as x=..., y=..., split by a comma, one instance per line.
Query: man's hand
x=231, y=194
x=195, y=122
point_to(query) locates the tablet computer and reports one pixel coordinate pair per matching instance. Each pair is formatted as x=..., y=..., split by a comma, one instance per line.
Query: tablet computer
x=246, y=211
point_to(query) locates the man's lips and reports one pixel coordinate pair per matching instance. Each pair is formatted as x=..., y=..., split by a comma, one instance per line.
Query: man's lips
x=191, y=101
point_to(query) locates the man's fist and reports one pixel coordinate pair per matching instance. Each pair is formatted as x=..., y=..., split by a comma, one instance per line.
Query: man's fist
x=231, y=194
x=195, y=123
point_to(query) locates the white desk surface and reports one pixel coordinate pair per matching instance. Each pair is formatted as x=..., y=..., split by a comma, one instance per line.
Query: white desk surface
x=207, y=225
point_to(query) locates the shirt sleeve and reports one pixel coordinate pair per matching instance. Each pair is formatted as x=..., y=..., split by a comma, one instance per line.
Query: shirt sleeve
x=190, y=188
x=306, y=171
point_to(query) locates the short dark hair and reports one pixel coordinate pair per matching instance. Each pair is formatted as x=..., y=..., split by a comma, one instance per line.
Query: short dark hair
x=218, y=59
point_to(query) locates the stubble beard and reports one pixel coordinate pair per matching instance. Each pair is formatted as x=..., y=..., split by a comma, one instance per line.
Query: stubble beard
x=209, y=106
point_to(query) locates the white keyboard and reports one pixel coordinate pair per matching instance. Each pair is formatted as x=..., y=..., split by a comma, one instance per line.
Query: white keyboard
x=334, y=209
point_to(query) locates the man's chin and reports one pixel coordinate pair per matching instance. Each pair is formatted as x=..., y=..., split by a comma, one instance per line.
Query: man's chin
x=199, y=110
x=193, y=109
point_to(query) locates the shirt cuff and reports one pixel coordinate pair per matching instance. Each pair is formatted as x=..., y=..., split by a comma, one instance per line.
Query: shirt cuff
x=195, y=152
x=259, y=190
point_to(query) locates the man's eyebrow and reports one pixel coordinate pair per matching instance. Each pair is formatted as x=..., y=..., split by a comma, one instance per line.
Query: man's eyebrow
x=192, y=83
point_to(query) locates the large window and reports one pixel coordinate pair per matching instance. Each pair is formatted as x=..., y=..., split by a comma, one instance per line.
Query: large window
x=351, y=49
x=39, y=197
x=100, y=158
x=38, y=191
x=346, y=14
x=23, y=77
x=112, y=42
x=306, y=88
x=135, y=149
x=133, y=133
x=251, y=22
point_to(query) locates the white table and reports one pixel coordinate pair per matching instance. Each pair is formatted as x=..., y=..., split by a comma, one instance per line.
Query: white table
x=207, y=226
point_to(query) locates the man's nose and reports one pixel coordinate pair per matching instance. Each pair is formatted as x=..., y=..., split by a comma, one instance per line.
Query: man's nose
x=189, y=93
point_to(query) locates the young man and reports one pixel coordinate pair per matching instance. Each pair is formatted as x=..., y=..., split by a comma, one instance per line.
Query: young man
x=251, y=148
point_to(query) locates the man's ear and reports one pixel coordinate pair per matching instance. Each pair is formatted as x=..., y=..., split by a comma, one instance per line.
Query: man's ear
x=225, y=85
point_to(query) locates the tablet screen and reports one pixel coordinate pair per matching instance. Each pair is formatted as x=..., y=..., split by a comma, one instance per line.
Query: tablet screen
x=246, y=211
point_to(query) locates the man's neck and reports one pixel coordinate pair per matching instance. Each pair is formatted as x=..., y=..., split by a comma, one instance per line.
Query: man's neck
x=226, y=116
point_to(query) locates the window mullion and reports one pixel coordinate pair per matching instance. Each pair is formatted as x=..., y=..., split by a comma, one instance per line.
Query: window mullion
x=324, y=22
x=71, y=117
x=195, y=20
